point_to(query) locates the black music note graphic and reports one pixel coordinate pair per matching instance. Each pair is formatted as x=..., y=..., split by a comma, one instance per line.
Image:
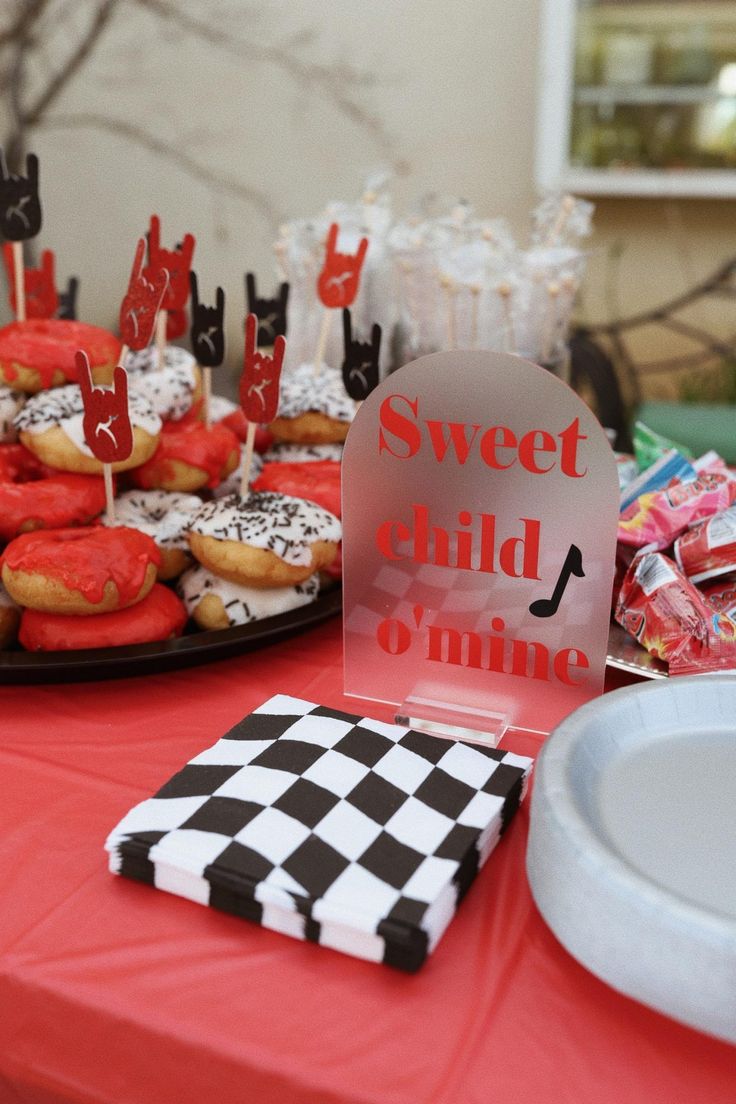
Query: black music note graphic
x=573, y=565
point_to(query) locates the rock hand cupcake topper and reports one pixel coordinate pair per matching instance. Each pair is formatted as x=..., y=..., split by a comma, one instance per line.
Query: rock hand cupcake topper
x=360, y=366
x=207, y=331
x=207, y=335
x=106, y=423
x=20, y=217
x=171, y=320
x=20, y=205
x=141, y=302
x=271, y=313
x=41, y=299
x=337, y=283
x=259, y=388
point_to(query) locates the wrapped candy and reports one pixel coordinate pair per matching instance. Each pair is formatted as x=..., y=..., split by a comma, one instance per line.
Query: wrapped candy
x=658, y=517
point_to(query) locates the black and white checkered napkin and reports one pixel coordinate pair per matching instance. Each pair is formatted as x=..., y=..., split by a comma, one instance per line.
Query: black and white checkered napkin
x=326, y=826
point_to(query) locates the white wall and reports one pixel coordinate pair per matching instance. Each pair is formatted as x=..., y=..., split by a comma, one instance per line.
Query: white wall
x=450, y=105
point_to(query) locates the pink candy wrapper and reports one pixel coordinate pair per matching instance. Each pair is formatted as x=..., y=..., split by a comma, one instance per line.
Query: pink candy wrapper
x=658, y=517
x=709, y=548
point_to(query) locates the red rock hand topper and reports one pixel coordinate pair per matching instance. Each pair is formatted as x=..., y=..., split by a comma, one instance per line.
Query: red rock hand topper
x=177, y=263
x=142, y=301
x=337, y=284
x=259, y=384
x=42, y=298
x=106, y=422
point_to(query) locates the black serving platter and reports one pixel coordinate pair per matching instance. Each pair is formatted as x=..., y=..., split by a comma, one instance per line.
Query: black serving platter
x=92, y=664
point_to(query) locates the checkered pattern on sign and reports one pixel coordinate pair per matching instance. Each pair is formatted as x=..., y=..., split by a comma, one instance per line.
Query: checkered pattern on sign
x=360, y=835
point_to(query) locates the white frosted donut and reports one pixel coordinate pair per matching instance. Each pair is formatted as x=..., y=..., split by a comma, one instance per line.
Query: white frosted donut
x=231, y=483
x=163, y=515
x=63, y=407
x=237, y=604
x=10, y=403
x=171, y=392
x=286, y=453
x=322, y=390
x=276, y=523
x=146, y=360
x=220, y=407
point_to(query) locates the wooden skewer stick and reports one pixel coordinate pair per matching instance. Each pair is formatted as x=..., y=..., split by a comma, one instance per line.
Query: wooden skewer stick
x=505, y=291
x=280, y=249
x=161, y=320
x=109, y=493
x=448, y=286
x=475, y=295
x=207, y=396
x=566, y=208
x=407, y=279
x=247, y=459
x=550, y=321
x=20, y=281
x=324, y=333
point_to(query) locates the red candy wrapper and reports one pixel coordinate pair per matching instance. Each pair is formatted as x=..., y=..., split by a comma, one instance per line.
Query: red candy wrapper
x=660, y=607
x=671, y=618
x=657, y=517
x=721, y=596
x=338, y=281
x=709, y=548
x=259, y=383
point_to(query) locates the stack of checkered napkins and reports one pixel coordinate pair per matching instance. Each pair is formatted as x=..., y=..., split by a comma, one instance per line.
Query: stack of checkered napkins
x=359, y=835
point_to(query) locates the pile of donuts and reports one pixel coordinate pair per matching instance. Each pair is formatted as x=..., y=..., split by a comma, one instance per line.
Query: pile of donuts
x=185, y=547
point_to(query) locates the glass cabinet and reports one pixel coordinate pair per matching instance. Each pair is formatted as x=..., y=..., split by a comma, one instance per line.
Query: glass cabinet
x=638, y=97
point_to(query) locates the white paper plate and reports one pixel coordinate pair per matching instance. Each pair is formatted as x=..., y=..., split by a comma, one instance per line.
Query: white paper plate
x=632, y=847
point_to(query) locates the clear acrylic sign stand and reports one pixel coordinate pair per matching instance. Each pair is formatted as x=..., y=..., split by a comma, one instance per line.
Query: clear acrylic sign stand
x=480, y=505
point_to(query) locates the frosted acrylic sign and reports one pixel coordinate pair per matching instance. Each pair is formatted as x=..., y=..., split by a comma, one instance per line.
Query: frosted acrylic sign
x=479, y=529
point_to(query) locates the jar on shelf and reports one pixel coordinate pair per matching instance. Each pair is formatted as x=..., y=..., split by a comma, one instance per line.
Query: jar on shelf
x=628, y=57
x=686, y=56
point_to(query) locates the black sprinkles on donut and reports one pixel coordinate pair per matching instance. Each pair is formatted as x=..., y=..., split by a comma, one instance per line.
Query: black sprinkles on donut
x=170, y=391
x=146, y=360
x=242, y=603
x=52, y=407
x=321, y=390
x=286, y=526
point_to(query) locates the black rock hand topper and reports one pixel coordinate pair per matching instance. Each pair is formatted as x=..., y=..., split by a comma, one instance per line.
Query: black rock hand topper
x=207, y=330
x=20, y=206
x=271, y=313
x=360, y=366
x=68, y=300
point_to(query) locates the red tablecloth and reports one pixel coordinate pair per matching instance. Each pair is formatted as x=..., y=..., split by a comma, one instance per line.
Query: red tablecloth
x=113, y=992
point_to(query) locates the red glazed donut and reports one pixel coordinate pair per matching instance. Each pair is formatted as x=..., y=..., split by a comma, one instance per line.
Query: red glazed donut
x=80, y=571
x=40, y=352
x=158, y=616
x=318, y=482
x=188, y=457
x=18, y=465
x=53, y=503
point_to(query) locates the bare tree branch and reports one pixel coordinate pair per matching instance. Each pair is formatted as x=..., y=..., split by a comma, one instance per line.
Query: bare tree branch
x=27, y=15
x=168, y=150
x=73, y=62
x=334, y=80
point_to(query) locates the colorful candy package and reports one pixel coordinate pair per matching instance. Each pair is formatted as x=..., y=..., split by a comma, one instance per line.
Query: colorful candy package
x=660, y=607
x=709, y=548
x=656, y=518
